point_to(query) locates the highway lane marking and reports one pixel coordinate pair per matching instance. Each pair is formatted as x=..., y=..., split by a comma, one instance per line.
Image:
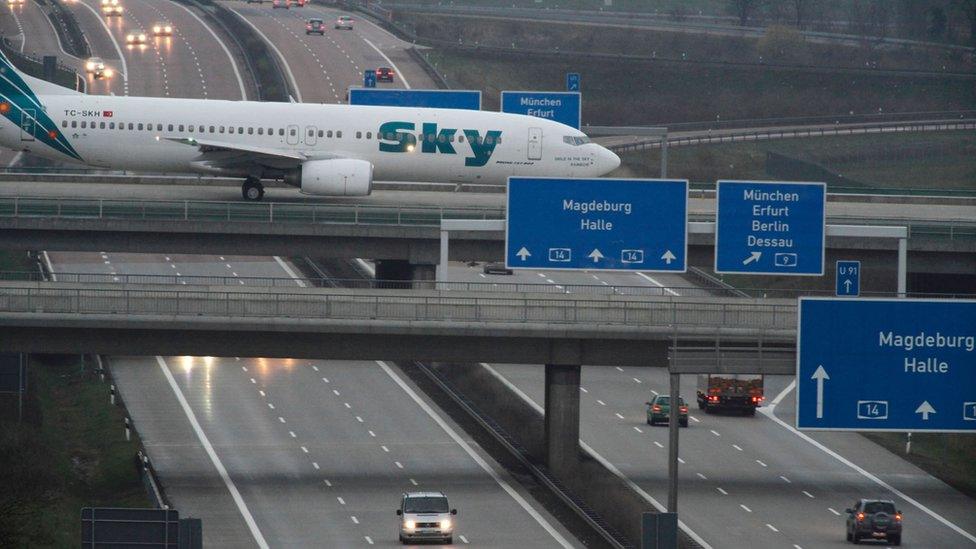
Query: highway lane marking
x=695, y=419
x=314, y=367
x=385, y=449
x=618, y=415
x=714, y=432
x=638, y=429
x=284, y=62
x=681, y=460
x=601, y=403
x=372, y=434
x=583, y=389
x=243, y=367
x=736, y=446
x=341, y=501
x=619, y=369
x=761, y=463
x=477, y=458
x=271, y=406
x=359, y=419
x=315, y=464
x=658, y=284
x=747, y=510
x=354, y=519
x=253, y=381
x=224, y=476
x=304, y=449
x=325, y=379
x=398, y=464
x=637, y=380
x=369, y=540
x=703, y=477
x=602, y=460
x=292, y=433
x=327, y=482
x=233, y=62
x=335, y=392
x=831, y=509
x=786, y=479
x=464, y=539
x=721, y=491
x=655, y=393
x=347, y=405
x=770, y=412
x=658, y=444
x=795, y=546
x=808, y=494
x=118, y=49
x=281, y=419
x=771, y=527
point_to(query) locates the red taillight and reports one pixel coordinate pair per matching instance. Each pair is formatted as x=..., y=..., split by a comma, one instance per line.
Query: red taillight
x=308, y=27
x=860, y=517
x=713, y=398
x=656, y=408
x=684, y=409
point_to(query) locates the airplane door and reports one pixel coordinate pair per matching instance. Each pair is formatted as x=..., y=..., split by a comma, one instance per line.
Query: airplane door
x=535, y=144
x=292, y=136
x=27, y=123
x=310, y=136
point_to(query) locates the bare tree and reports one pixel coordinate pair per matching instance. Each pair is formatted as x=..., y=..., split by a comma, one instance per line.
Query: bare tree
x=743, y=9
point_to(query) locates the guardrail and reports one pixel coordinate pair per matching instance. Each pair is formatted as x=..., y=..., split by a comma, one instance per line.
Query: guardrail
x=391, y=306
x=262, y=212
x=761, y=135
x=712, y=286
x=355, y=214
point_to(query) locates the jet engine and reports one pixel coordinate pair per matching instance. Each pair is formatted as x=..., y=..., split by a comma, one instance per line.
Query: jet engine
x=336, y=177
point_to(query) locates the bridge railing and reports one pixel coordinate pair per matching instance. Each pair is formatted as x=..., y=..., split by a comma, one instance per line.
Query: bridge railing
x=398, y=306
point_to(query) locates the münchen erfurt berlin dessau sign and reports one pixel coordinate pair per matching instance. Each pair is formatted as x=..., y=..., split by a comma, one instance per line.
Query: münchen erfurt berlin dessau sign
x=597, y=224
x=886, y=364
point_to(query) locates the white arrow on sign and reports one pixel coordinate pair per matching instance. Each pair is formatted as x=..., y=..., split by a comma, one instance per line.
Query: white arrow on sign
x=754, y=256
x=668, y=257
x=523, y=253
x=820, y=375
x=925, y=409
x=595, y=255
x=847, y=285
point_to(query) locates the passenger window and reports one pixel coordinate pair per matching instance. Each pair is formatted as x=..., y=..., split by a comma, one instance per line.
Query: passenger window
x=311, y=132
x=460, y=139
x=321, y=133
x=223, y=129
x=74, y=123
x=369, y=135
x=260, y=131
x=159, y=127
x=359, y=135
x=281, y=131
x=140, y=126
x=84, y=124
x=489, y=140
x=339, y=134
x=250, y=131
x=189, y=129
x=111, y=125
x=230, y=129
x=132, y=126
x=452, y=139
x=240, y=130
x=64, y=123
x=181, y=127
x=292, y=132
x=329, y=134
x=270, y=131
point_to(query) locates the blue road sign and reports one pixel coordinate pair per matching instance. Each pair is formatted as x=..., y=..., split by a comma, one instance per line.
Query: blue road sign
x=597, y=224
x=772, y=228
x=440, y=99
x=572, y=81
x=369, y=78
x=563, y=107
x=849, y=278
x=886, y=365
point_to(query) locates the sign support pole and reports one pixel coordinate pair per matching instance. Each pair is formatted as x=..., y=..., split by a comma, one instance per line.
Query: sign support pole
x=673, y=427
x=902, y=266
x=664, y=156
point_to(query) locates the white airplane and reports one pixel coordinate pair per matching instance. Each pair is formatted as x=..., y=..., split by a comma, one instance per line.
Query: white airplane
x=326, y=150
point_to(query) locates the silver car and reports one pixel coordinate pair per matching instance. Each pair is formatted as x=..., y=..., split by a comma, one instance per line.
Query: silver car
x=426, y=516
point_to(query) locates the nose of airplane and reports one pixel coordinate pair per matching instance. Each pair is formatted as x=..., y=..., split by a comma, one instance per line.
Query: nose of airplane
x=607, y=161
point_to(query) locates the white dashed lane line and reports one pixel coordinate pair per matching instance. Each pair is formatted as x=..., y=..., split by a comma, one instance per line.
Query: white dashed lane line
x=808, y=494
x=785, y=479
x=721, y=491
x=744, y=508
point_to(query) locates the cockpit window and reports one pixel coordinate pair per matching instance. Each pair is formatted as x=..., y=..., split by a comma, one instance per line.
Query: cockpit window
x=576, y=140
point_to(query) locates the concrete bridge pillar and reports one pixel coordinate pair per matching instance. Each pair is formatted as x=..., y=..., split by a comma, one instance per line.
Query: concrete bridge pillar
x=562, y=416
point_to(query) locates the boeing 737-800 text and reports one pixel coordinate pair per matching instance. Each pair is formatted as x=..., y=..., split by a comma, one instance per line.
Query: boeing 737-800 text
x=328, y=150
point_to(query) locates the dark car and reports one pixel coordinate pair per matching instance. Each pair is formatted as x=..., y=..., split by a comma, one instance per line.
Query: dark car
x=496, y=267
x=384, y=74
x=874, y=519
x=315, y=26
x=659, y=409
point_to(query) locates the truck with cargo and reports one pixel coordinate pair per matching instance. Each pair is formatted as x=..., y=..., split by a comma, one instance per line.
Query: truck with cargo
x=741, y=392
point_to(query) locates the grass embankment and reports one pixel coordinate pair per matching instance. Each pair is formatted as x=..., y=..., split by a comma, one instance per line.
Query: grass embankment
x=949, y=457
x=69, y=452
x=903, y=162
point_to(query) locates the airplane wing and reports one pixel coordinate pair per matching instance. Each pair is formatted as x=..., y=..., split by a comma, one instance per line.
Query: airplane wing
x=253, y=153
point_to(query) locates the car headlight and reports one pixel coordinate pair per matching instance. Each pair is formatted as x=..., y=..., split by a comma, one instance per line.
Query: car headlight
x=157, y=29
x=169, y=30
x=130, y=38
x=108, y=73
x=142, y=37
x=446, y=524
x=409, y=524
x=90, y=66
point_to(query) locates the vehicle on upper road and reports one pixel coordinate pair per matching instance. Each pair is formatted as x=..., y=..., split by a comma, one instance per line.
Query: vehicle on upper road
x=426, y=516
x=384, y=74
x=95, y=67
x=315, y=26
x=659, y=409
x=344, y=22
x=135, y=39
x=741, y=392
x=280, y=4
x=111, y=7
x=875, y=519
x=323, y=149
x=162, y=29
x=496, y=267
x=299, y=3
x=16, y=2
x=255, y=1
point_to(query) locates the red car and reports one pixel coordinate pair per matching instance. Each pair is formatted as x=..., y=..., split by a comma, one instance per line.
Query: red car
x=384, y=74
x=281, y=4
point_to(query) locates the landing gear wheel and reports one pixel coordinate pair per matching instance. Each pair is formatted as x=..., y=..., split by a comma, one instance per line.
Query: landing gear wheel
x=252, y=190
